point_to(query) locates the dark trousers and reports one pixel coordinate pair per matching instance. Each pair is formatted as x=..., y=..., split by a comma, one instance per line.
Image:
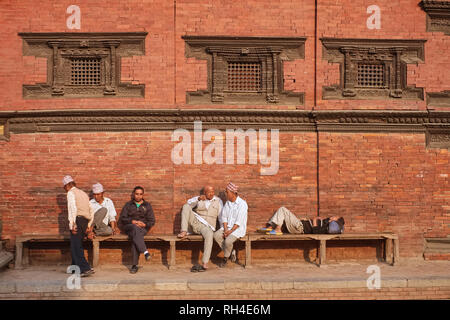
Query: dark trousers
x=136, y=235
x=76, y=245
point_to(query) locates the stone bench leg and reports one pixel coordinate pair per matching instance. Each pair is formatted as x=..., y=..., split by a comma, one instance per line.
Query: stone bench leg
x=388, y=251
x=95, y=252
x=19, y=255
x=172, y=254
x=248, y=253
x=322, y=252
x=396, y=252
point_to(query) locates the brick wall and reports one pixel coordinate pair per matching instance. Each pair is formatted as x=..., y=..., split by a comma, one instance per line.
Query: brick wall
x=377, y=181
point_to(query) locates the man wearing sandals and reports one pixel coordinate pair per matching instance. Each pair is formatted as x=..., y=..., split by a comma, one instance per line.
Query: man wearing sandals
x=199, y=216
x=233, y=223
x=293, y=224
x=80, y=216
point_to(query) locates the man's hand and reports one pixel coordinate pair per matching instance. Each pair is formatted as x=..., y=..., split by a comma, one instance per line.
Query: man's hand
x=138, y=223
x=90, y=235
x=202, y=197
x=116, y=231
x=226, y=233
x=74, y=230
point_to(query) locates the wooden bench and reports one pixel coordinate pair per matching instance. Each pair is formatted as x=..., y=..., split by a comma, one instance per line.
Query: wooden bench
x=22, y=245
x=391, y=243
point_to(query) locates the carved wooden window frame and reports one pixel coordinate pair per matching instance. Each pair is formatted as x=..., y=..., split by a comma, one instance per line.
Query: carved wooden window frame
x=438, y=15
x=269, y=52
x=61, y=48
x=394, y=55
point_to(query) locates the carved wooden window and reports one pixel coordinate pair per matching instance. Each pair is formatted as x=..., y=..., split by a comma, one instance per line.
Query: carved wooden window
x=83, y=64
x=244, y=77
x=372, y=68
x=438, y=15
x=245, y=70
x=4, y=129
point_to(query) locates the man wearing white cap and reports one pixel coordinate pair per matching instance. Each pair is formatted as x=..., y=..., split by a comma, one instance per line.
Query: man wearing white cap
x=80, y=222
x=234, y=223
x=105, y=213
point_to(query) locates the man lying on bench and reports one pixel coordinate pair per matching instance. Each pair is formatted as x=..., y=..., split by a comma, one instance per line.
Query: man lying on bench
x=293, y=224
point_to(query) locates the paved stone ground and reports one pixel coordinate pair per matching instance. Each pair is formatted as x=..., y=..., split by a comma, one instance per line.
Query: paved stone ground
x=109, y=278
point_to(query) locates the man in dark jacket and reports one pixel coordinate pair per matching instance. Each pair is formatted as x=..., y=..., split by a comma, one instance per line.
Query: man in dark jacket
x=136, y=219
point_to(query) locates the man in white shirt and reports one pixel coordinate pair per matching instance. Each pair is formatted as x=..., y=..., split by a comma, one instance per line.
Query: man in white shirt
x=234, y=223
x=199, y=216
x=80, y=216
x=104, y=212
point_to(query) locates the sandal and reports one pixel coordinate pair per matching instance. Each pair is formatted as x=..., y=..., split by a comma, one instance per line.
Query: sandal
x=274, y=233
x=264, y=230
x=195, y=268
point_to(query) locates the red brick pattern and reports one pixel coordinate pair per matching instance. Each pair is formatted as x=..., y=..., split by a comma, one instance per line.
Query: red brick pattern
x=378, y=182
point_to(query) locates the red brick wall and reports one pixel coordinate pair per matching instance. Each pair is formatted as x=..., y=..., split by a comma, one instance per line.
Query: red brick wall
x=378, y=182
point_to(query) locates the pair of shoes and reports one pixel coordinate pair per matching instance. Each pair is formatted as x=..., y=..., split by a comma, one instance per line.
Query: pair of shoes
x=233, y=256
x=198, y=268
x=134, y=269
x=223, y=263
x=87, y=273
x=274, y=233
x=147, y=256
x=264, y=230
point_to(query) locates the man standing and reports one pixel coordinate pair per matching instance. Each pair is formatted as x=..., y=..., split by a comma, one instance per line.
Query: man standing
x=234, y=223
x=104, y=213
x=137, y=218
x=80, y=221
x=199, y=216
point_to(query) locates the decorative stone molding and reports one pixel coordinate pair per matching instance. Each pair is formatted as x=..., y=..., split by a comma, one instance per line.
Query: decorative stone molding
x=83, y=64
x=372, y=68
x=261, y=57
x=438, y=136
x=435, y=124
x=438, y=15
x=438, y=99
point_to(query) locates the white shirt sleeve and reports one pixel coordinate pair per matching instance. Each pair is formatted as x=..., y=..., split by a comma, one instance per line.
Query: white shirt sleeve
x=241, y=218
x=192, y=200
x=72, y=209
x=111, y=211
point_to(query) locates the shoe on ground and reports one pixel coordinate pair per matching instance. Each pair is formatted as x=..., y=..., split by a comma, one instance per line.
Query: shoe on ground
x=233, y=256
x=223, y=263
x=87, y=273
x=148, y=256
x=134, y=269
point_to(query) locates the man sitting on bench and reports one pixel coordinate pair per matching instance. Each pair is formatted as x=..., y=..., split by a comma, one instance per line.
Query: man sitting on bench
x=293, y=224
x=105, y=213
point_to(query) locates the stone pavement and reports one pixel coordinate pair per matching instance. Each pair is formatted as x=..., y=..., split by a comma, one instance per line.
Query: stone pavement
x=417, y=279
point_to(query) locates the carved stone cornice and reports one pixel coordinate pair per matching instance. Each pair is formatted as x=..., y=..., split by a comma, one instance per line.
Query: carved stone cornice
x=438, y=15
x=171, y=119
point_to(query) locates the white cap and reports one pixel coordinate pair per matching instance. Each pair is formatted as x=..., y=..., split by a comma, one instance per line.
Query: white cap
x=67, y=179
x=97, y=188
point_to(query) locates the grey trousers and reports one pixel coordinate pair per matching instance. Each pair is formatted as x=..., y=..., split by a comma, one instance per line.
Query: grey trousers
x=136, y=235
x=293, y=224
x=225, y=244
x=100, y=228
x=190, y=223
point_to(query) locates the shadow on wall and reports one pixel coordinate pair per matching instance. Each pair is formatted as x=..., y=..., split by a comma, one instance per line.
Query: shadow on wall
x=63, y=221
